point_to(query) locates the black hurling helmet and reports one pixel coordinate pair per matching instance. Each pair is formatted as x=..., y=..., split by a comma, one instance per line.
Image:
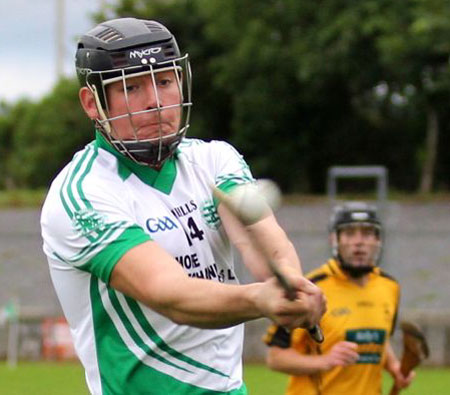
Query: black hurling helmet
x=121, y=48
x=351, y=213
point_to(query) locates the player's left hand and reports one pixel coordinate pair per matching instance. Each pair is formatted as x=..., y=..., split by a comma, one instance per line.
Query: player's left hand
x=313, y=297
x=400, y=381
x=307, y=292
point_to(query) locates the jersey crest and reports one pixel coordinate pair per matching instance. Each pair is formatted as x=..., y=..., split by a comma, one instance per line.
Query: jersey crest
x=87, y=221
x=209, y=214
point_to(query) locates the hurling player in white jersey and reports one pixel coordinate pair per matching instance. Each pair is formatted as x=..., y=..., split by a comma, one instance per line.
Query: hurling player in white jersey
x=139, y=250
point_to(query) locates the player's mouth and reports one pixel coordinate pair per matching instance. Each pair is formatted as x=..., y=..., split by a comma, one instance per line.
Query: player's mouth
x=154, y=130
x=359, y=256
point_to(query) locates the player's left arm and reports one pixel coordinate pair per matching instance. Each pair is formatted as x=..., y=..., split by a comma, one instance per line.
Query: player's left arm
x=251, y=257
x=231, y=171
x=260, y=240
x=270, y=236
x=392, y=365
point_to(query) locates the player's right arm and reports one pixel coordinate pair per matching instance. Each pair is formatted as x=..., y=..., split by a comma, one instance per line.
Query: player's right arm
x=150, y=275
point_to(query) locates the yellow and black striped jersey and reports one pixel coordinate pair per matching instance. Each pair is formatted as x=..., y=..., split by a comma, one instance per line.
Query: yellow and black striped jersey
x=365, y=315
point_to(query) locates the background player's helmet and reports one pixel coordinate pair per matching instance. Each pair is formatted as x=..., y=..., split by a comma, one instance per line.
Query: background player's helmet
x=117, y=49
x=351, y=213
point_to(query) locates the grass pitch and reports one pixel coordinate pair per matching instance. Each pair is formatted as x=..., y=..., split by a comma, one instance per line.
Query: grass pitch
x=45, y=378
x=428, y=381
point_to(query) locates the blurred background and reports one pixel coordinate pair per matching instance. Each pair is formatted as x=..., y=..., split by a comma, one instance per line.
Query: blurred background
x=297, y=87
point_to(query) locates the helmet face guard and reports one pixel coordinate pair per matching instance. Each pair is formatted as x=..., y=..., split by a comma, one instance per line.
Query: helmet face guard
x=118, y=51
x=355, y=214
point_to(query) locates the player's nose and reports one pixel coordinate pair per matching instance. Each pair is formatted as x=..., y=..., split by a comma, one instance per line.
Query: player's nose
x=358, y=237
x=152, y=99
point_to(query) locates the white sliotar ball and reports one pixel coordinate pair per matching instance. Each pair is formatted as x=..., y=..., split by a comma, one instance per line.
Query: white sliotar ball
x=271, y=192
x=248, y=204
x=251, y=202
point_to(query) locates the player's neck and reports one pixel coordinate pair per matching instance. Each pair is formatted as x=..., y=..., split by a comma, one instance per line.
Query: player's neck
x=360, y=281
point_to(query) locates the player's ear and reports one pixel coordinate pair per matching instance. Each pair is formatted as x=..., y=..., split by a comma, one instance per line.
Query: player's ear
x=333, y=239
x=87, y=101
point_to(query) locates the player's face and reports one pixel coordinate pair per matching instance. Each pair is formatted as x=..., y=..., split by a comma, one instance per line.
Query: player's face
x=359, y=245
x=141, y=94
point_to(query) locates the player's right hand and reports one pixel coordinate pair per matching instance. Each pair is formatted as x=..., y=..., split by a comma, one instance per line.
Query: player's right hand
x=341, y=354
x=303, y=312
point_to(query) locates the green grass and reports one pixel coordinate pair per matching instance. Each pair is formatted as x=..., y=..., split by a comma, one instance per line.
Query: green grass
x=42, y=378
x=47, y=378
x=429, y=381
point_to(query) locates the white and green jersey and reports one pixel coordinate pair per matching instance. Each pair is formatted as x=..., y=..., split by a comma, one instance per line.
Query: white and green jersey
x=103, y=204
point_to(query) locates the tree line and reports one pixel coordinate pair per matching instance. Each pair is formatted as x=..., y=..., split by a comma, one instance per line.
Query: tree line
x=297, y=86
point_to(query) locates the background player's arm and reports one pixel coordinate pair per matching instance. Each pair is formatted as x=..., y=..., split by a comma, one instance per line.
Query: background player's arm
x=392, y=365
x=291, y=361
x=150, y=275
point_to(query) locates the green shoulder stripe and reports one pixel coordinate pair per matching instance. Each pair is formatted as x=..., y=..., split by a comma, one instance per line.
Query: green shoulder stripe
x=81, y=166
x=109, y=231
x=77, y=202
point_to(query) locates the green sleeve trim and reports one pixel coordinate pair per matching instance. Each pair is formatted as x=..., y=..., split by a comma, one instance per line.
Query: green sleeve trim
x=225, y=187
x=104, y=262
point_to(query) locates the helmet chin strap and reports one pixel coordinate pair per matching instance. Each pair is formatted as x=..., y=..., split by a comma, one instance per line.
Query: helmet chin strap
x=151, y=154
x=105, y=124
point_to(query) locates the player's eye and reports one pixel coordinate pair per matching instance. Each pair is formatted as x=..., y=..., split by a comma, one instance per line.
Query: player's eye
x=165, y=81
x=132, y=88
x=368, y=232
x=349, y=231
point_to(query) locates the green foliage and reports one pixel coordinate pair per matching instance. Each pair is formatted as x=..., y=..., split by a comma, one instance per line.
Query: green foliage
x=296, y=87
x=301, y=79
x=10, y=117
x=22, y=197
x=47, y=135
